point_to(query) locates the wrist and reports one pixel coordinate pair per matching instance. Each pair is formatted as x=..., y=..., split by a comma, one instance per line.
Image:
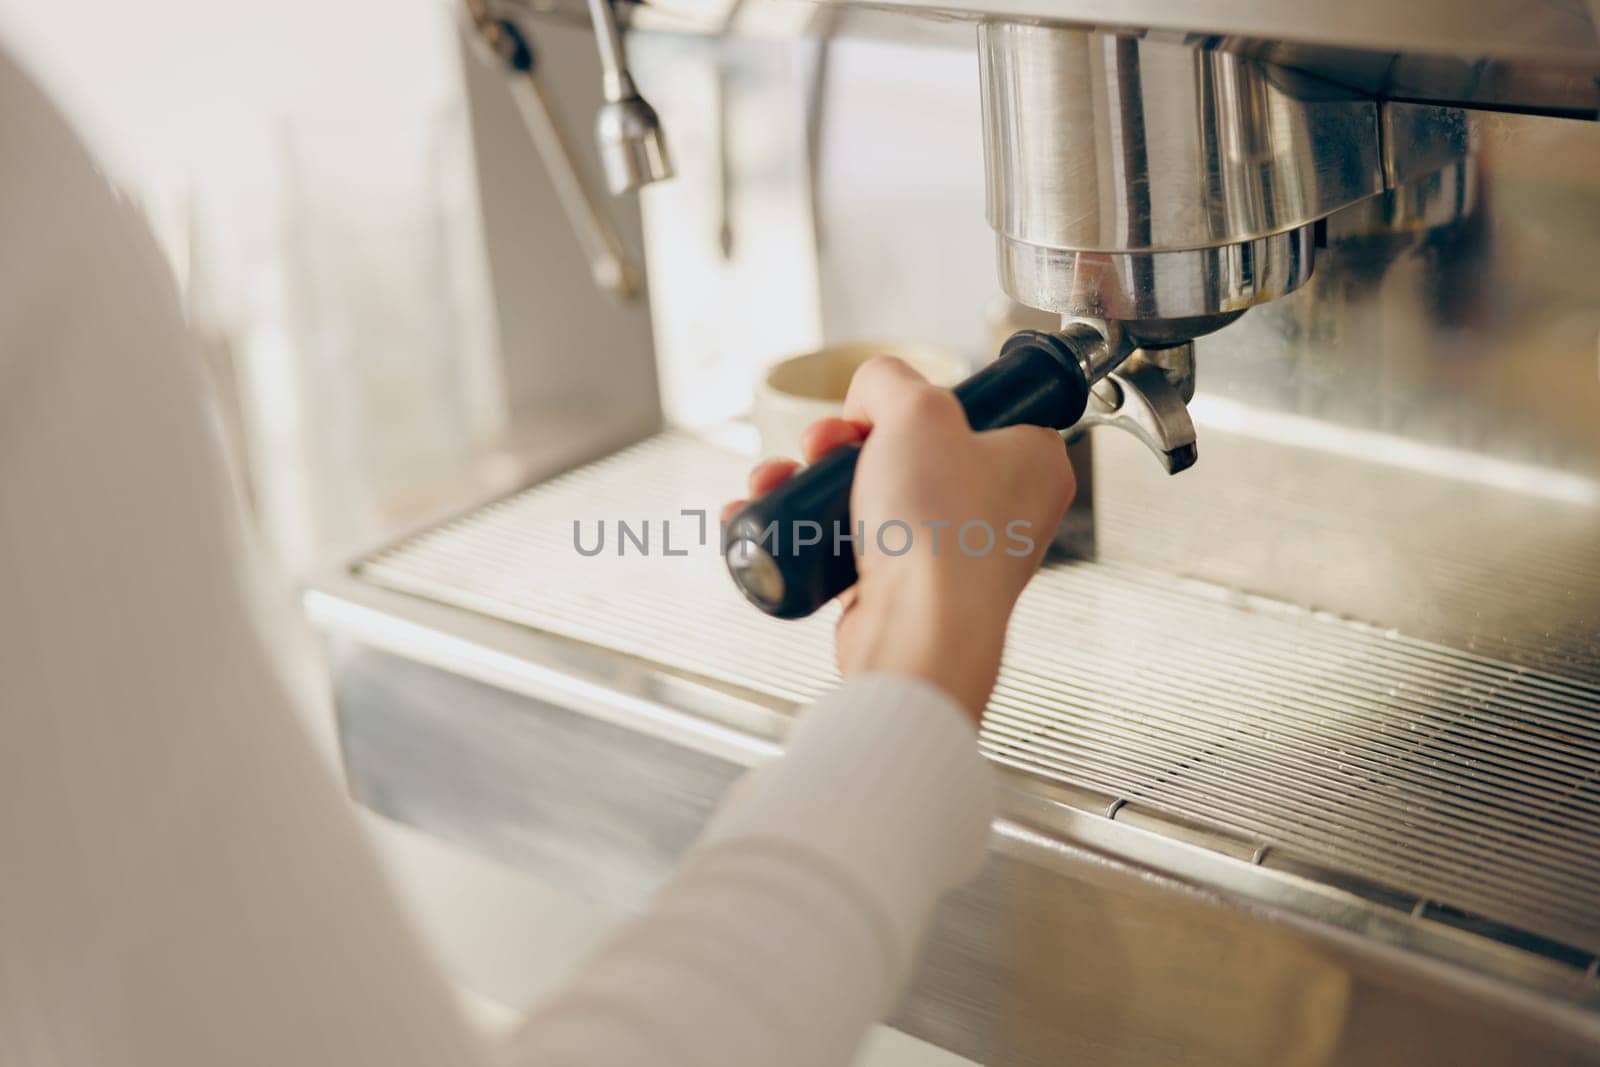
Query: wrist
x=932, y=635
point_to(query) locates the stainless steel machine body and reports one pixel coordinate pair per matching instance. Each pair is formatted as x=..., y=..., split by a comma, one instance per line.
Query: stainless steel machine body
x=1134, y=179
x=1302, y=763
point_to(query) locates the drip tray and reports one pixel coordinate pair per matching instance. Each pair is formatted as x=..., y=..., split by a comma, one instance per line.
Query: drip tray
x=1446, y=789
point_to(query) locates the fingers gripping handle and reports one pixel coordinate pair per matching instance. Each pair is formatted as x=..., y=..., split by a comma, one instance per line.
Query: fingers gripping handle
x=793, y=550
x=786, y=551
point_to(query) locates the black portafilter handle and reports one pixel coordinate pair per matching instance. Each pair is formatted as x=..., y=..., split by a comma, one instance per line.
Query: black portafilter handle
x=789, y=552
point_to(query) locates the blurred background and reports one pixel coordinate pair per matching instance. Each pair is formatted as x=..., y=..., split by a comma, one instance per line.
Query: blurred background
x=1391, y=547
x=308, y=168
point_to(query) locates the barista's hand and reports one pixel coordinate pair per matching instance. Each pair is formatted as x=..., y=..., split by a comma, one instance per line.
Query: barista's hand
x=978, y=510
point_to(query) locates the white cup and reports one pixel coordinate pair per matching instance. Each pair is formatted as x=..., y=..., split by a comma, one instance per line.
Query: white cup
x=799, y=390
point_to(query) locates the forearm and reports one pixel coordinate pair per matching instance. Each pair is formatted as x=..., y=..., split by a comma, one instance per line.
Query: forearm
x=794, y=922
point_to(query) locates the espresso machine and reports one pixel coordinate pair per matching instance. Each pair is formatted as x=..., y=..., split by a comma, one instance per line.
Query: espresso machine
x=1299, y=734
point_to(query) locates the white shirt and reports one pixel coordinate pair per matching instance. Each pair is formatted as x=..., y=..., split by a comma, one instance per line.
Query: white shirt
x=182, y=882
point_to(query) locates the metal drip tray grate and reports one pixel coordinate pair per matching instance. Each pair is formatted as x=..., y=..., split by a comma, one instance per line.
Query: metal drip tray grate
x=1464, y=783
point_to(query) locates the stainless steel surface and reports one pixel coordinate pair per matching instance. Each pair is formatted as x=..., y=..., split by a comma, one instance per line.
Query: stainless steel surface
x=1342, y=676
x=632, y=146
x=1456, y=319
x=1137, y=392
x=1489, y=79
x=1114, y=144
x=1550, y=31
x=546, y=304
x=1541, y=57
x=1141, y=398
x=1446, y=197
x=1468, y=347
x=1442, y=775
x=1101, y=345
x=1452, y=549
x=608, y=264
x=1149, y=179
x=1419, y=140
x=591, y=805
x=1152, y=286
x=756, y=572
x=1058, y=953
x=502, y=45
x=1409, y=822
x=633, y=150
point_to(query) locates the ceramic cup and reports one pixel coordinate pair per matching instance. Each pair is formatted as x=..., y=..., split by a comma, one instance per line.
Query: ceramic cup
x=799, y=390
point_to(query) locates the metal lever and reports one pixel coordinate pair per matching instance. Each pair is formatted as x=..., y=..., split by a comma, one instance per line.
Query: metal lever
x=632, y=148
x=500, y=42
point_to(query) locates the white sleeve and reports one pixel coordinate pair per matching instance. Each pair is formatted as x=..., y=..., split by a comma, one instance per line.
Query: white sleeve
x=182, y=881
x=794, y=922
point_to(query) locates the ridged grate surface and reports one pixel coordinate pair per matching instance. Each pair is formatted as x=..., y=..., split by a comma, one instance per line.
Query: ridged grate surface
x=1458, y=779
